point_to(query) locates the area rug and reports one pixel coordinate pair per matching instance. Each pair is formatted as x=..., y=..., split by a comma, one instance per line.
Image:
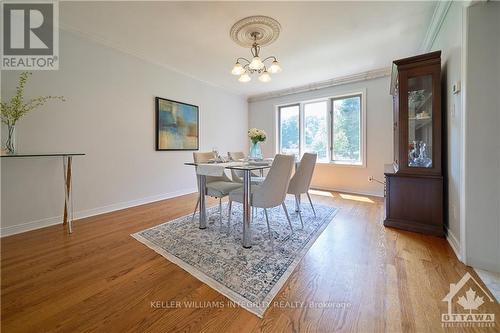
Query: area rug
x=250, y=278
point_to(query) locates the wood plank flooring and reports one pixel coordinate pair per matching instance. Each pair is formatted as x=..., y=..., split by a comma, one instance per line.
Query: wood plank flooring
x=358, y=277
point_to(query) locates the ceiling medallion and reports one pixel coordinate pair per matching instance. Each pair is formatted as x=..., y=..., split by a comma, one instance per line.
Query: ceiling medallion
x=255, y=32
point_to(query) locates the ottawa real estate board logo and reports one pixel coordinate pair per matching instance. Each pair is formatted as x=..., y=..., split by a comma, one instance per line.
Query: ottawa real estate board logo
x=30, y=35
x=464, y=305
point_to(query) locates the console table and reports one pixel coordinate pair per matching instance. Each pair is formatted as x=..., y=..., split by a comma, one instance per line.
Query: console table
x=67, y=160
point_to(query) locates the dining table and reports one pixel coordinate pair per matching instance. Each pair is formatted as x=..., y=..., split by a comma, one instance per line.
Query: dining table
x=216, y=169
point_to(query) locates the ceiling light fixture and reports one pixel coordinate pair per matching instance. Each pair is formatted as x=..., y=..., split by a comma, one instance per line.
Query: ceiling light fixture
x=255, y=31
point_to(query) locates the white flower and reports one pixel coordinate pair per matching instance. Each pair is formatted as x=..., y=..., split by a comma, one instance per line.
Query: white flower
x=257, y=135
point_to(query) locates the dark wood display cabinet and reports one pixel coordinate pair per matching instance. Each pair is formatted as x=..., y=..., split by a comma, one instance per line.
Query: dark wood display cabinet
x=414, y=182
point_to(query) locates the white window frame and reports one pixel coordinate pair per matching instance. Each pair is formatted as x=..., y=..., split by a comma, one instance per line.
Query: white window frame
x=278, y=127
x=329, y=102
x=362, y=153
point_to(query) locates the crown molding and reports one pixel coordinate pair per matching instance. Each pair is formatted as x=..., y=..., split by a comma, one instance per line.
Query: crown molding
x=437, y=20
x=470, y=3
x=368, y=75
x=129, y=51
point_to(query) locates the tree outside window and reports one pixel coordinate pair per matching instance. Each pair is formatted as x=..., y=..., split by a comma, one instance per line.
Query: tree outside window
x=332, y=128
x=347, y=129
x=289, y=130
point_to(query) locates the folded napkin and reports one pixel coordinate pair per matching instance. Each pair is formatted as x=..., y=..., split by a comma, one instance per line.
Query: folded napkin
x=215, y=170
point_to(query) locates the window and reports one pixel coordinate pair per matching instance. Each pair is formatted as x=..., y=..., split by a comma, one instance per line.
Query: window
x=289, y=129
x=332, y=127
x=316, y=129
x=346, y=130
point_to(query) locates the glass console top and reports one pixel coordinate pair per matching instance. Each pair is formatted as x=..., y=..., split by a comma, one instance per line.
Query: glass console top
x=41, y=154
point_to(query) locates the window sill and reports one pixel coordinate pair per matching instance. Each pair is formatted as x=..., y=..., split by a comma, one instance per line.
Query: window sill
x=345, y=165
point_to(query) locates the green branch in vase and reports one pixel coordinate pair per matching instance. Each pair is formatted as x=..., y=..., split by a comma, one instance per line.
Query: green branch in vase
x=16, y=108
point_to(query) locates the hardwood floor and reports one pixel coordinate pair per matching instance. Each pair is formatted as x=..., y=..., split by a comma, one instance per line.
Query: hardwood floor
x=370, y=278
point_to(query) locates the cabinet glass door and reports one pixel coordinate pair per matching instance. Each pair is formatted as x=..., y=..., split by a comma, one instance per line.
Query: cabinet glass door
x=420, y=121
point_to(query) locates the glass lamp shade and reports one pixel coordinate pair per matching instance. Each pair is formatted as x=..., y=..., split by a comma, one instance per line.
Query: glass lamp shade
x=256, y=63
x=244, y=77
x=275, y=67
x=265, y=77
x=237, y=69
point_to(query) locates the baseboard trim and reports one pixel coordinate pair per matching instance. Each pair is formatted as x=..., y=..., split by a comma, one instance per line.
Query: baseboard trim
x=415, y=226
x=47, y=222
x=132, y=203
x=491, y=280
x=28, y=226
x=324, y=188
x=454, y=243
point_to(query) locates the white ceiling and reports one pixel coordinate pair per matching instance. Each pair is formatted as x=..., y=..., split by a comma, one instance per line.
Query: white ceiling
x=318, y=41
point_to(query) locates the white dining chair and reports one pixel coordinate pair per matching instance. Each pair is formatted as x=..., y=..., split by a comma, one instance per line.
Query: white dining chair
x=236, y=155
x=217, y=187
x=301, y=181
x=271, y=193
x=237, y=175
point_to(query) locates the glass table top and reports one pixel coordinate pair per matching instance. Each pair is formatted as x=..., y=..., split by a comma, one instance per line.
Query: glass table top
x=238, y=165
x=41, y=154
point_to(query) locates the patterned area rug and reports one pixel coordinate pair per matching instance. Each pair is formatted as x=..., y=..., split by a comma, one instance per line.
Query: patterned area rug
x=249, y=277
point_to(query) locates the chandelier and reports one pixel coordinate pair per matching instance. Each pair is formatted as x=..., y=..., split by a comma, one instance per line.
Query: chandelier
x=254, y=32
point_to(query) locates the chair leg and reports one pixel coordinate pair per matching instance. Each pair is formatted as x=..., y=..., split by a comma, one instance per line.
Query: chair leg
x=298, y=210
x=229, y=217
x=310, y=201
x=287, y=217
x=268, y=227
x=195, y=209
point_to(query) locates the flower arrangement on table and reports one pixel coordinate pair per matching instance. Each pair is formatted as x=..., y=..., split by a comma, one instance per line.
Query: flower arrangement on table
x=256, y=136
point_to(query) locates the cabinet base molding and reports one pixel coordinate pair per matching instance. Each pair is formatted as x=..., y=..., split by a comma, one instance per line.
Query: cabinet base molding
x=415, y=227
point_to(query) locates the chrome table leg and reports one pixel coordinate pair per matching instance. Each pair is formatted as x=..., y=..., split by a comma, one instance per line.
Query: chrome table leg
x=202, y=181
x=229, y=216
x=220, y=212
x=247, y=210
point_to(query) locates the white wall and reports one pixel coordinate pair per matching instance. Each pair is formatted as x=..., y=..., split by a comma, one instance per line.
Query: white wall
x=109, y=115
x=449, y=41
x=470, y=48
x=482, y=151
x=262, y=114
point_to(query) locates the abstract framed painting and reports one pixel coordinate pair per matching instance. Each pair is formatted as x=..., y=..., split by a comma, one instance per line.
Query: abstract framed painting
x=177, y=125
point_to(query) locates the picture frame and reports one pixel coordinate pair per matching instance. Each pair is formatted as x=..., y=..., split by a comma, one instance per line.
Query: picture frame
x=177, y=125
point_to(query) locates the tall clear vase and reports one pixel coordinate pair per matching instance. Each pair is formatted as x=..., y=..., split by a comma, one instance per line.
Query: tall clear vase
x=10, y=144
x=255, y=151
